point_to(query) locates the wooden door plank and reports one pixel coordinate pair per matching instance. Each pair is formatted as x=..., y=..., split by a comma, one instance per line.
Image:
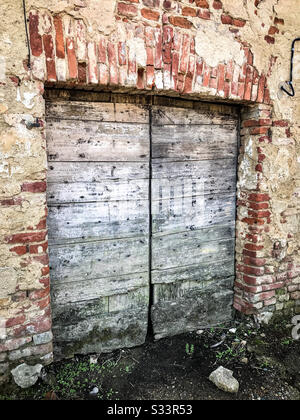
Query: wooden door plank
x=162, y=116
x=203, y=142
x=197, y=309
x=68, y=172
x=103, y=112
x=76, y=141
x=86, y=192
x=192, y=213
x=78, y=222
x=98, y=197
x=187, y=248
x=87, y=290
x=195, y=273
x=193, y=218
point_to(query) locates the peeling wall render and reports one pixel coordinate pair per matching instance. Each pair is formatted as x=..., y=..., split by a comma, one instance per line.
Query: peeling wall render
x=220, y=51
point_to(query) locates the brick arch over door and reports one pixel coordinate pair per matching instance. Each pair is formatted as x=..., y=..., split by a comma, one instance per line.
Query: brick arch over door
x=159, y=59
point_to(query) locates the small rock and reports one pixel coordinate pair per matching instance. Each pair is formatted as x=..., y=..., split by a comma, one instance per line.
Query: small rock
x=232, y=330
x=26, y=376
x=245, y=361
x=199, y=332
x=93, y=360
x=224, y=380
x=94, y=391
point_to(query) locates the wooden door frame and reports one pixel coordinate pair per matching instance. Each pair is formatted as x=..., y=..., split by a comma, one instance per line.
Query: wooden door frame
x=248, y=111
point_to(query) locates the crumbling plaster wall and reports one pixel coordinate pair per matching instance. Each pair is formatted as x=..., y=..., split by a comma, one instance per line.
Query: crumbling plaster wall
x=218, y=33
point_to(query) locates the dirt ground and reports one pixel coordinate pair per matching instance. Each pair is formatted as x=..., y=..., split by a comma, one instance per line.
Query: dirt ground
x=264, y=360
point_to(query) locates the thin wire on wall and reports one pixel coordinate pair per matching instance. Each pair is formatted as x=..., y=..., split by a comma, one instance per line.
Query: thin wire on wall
x=27, y=36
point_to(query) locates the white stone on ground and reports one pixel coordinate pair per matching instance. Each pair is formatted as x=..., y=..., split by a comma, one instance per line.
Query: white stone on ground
x=224, y=380
x=26, y=376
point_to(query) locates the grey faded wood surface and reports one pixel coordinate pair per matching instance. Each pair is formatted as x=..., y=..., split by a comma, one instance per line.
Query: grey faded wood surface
x=99, y=112
x=193, y=218
x=75, y=140
x=163, y=115
x=190, y=213
x=99, y=204
x=98, y=198
x=91, y=260
x=77, y=222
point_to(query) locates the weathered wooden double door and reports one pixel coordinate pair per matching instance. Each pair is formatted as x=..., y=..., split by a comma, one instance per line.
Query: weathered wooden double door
x=141, y=220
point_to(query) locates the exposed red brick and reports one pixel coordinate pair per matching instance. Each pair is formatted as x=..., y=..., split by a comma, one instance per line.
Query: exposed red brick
x=44, y=303
x=37, y=249
x=150, y=77
x=36, y=43
x=258, y=197
x=269, y=39
x=250, y=59
x=226, y=20
x=72, y=61
x=39, y=294
x=188, y=87
x=202, y=3
x=241, y=90
x=150, y=14
x=141, y=78
x=59, y=39
x=229, y=71
x=253, y=247
x=43, y=259
x=261, y=88
x=45, y=271
x=204, y=14
x=257, y=262
x=259, y=130
x=34, y=187
x=158, y=49
x=185, y=54
x=249, y=253
x=128, y=10
x=113, y=64
x=181, y=22
x=261, y=157
x=19, y=250
x=26, y=237
x=263, y=296
x=189, y=11
x=122, y=56
x=149, y=3
x=248, y=83
x=175, y=67
x=82, y=72
x=273, y=30
x=278, y=21
x=167, y=44
x=240, y=23
x=267, y=98
x=221, y=78
x=41, y=225
x=250, y=289
x=102, y=51
x=217, y=4
x=39, y=326
x=15, y=321
x=280, y=123
x=252, y=221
